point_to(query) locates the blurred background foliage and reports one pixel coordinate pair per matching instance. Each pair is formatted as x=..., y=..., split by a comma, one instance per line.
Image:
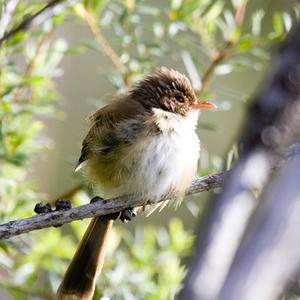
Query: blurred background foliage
x=205, y=39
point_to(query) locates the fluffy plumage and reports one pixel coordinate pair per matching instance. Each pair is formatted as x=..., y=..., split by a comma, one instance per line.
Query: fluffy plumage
x=146, y=153
x=144, y=145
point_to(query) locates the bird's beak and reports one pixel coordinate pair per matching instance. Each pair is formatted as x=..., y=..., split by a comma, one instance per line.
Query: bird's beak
x=203, y=105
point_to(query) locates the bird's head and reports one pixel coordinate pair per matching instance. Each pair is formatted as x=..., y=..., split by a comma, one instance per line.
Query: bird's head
x=169, y=90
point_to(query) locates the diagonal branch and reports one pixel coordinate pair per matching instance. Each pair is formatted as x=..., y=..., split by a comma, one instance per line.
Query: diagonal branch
x=8, y=8
x=98, y=208
x=105, y=207
x=224, y=53
x=51, y=9
x=105, y=46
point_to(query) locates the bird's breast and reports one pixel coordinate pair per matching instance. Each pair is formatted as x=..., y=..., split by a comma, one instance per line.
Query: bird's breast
x=166, y=162
x=160, y=162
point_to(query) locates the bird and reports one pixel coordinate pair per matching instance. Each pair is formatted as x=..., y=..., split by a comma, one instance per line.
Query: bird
x=143, y=144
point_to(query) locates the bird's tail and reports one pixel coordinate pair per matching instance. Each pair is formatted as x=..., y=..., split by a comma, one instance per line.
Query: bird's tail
x=79, y=280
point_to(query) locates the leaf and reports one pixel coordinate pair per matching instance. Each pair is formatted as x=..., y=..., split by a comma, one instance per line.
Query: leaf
x=16, y=39
x=191, y=70
x=176, y=4
x=257, y=18
x=245, y=43
x=278, y=24
x=231, y=156
x=287, y=20
x=224, y=69
x=158, y=30
x=214, y=11
x=95, y=6
x=185, y=10
x=175, y=27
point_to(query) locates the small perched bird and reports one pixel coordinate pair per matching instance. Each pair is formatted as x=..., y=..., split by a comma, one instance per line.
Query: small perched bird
x=142, y=144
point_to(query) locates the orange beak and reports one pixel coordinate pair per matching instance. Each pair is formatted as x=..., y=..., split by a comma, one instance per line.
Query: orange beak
x=203, y=105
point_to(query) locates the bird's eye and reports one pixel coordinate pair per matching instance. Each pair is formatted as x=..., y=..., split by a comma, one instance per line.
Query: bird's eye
x=179, y=99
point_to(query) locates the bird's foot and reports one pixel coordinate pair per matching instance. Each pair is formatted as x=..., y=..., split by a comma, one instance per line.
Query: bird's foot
x=41, y=208
x=128, y=214
x=63, y=204
x=125, y=216
x=96, y=198
x=60, y=204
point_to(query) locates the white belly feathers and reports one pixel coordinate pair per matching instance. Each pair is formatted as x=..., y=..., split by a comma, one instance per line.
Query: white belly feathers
x=166, y=162
x=160, y=165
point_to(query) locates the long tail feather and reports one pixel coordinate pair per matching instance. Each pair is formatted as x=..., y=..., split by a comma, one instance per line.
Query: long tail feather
x=79, y=280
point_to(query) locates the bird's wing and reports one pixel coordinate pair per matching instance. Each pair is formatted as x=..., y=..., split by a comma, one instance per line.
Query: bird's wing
x=108, y=128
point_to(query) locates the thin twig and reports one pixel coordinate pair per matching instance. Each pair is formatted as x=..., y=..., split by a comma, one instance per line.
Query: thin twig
x=219, y=58
x=225, y=50
x=8, y=8
x=98, y=208
x=21, y=91
x=105, y=46
x=51, y=9
x=109, y=206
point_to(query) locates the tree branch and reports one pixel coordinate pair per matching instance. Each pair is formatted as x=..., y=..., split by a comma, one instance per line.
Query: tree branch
x=105, y=46
x=219, y=58
x=268, y=257
x=99, y=208
x=51, y=9
x=110, y=206
x=8, y=8
x=223, y=54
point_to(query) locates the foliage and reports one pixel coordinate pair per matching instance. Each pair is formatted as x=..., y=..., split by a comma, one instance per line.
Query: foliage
x=210, y=38
x=149, y=266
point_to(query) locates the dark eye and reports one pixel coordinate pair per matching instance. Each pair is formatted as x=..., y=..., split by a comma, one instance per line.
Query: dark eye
x=179, y=99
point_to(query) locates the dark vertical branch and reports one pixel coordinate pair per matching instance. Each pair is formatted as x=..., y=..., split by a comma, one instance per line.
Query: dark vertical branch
x=271, y=126
x=269, y=255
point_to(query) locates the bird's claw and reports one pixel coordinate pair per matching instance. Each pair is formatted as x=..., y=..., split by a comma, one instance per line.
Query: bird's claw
x=62, y=204
x=127, y=215
x=96, y=199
